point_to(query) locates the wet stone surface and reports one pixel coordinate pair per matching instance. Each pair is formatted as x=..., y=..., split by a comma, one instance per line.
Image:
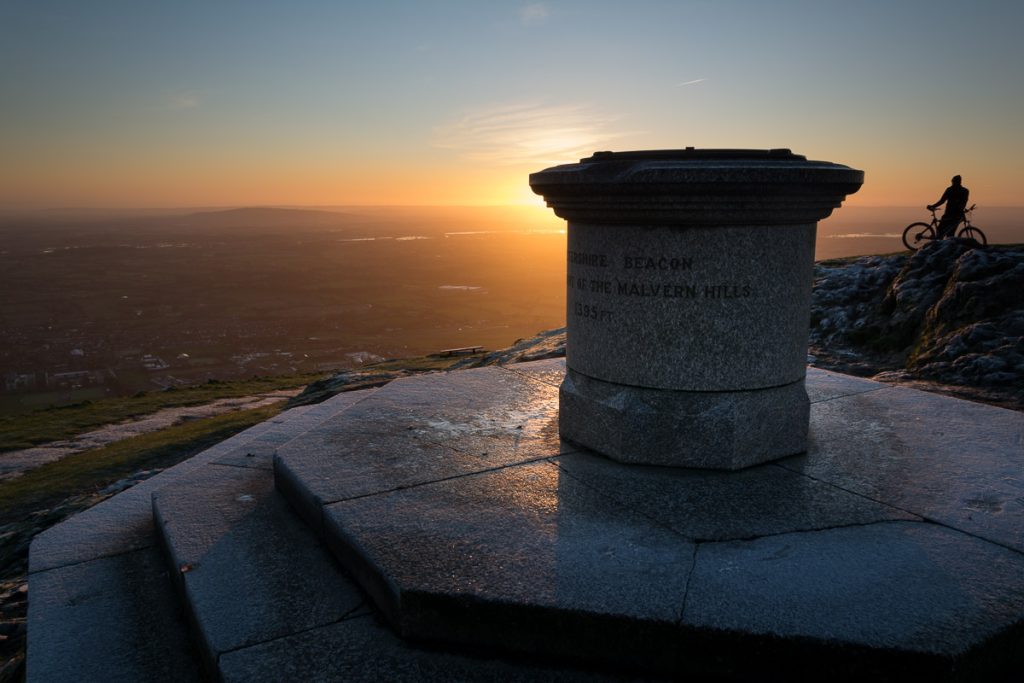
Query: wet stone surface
x=423, y=429
x=900, y=585
x=715, y=506
x=550, y=371
x=893, y=543
x=951, y=461
x=496, y=542
x=259, y=452
x=823, y=385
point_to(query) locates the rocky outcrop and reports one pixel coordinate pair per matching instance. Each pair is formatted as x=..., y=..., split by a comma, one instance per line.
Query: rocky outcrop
x=950, y=314
x=548, y=344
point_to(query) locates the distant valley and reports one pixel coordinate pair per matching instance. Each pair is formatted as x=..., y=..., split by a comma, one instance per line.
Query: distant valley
x=100, y=304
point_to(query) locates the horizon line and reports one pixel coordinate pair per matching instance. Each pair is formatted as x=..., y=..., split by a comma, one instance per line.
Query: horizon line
x=327, y=207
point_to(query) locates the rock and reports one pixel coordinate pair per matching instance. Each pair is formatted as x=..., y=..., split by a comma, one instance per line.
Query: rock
x=951, y=313
x=548, y=344
x=351, y=380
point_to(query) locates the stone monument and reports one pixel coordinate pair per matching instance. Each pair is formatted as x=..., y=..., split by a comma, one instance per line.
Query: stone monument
x=689, y=284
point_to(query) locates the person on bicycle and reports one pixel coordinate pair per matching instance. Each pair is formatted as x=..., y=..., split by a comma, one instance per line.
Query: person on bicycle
x=955, y=199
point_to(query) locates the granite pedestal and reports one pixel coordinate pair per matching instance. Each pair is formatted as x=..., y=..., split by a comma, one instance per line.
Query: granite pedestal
x=688, y=285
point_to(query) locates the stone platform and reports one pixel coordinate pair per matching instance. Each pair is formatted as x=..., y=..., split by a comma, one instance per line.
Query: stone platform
x=445, y=532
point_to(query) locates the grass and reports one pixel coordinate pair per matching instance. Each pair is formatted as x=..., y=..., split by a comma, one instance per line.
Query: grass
x=92, y=470
x=52, y=424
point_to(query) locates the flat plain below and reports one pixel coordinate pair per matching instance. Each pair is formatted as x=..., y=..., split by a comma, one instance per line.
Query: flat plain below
x=142, y=302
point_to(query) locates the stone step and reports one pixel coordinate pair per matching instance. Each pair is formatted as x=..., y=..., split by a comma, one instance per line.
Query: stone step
x=268, y=601
x=248, y=569
x=894, y=544
x=101, y=603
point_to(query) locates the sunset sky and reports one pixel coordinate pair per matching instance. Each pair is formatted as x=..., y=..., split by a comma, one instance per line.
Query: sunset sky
x=216, y=103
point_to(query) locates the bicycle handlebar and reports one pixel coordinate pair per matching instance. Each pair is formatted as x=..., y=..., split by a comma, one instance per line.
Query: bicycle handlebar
x=933, y=209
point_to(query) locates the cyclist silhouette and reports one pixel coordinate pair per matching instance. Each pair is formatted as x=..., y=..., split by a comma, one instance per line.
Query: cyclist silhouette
x=955, y=199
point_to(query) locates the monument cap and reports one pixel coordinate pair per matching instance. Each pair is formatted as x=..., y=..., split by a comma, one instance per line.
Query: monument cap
x=696, y=153
x=693, y=186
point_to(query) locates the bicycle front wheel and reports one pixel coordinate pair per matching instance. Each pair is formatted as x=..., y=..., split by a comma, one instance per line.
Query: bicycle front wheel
x=973, y=233
x=916, y=234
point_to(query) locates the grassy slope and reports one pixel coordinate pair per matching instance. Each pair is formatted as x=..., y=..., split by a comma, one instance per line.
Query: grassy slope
x=51, y=424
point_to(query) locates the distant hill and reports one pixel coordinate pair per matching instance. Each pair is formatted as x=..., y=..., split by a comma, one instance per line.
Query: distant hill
x=262, y=217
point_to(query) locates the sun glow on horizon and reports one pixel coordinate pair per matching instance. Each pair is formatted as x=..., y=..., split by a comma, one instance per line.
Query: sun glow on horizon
x=152, y=105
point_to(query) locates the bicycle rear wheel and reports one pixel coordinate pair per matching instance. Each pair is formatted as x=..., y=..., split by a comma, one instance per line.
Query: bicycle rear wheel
x=916, y=234
x=973, y=233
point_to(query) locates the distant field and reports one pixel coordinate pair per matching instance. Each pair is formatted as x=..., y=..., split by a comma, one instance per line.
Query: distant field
x=854, y=231
x=173, y=300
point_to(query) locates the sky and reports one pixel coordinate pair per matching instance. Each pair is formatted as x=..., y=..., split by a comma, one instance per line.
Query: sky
x=139, y=103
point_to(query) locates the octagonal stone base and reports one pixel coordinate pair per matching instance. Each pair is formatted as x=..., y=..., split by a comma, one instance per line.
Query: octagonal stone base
x=726, y=430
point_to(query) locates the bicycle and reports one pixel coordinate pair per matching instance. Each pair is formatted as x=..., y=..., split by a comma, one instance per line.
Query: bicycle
x=915, y=234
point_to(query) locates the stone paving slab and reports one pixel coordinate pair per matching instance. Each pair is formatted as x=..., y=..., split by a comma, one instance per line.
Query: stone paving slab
x=101, y=573
x=824, y=385
x=550, y=371
x=110, y=619
x=125, y=522
x=421, y=429
x=249, y=570
x=715, y=506
x=523, y=556
x=898, y=585
x=259, y=452
x=951, y=461
x=878, y=555
x=360, y=650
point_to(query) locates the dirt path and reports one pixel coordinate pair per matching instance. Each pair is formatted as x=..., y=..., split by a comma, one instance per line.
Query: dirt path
x=14, y=463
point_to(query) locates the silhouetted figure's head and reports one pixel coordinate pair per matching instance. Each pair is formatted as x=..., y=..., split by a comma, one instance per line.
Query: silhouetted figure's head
x=957, y=180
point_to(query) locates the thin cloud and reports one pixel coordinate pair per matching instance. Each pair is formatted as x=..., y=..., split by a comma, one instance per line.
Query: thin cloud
x=535, y=13
x=528, y=134
x=693, y=82
x=183, y=100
